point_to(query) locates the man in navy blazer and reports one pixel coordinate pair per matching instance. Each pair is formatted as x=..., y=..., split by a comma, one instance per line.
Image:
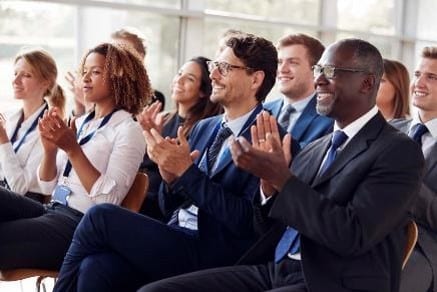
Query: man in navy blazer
x=420, y=272
x=297, y=54
x=336, y=219
x=208, y=199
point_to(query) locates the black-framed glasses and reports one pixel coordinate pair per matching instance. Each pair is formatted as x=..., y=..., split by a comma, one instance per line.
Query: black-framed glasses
x=224, y=67
x=329, y=71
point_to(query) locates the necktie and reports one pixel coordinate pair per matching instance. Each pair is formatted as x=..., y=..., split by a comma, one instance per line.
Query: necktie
x=338, y=138
x=418, y=132
x=216, y=145
x=289, y=243
x=284, y=117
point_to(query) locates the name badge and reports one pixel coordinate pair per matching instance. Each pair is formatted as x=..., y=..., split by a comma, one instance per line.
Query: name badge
x=61, y=194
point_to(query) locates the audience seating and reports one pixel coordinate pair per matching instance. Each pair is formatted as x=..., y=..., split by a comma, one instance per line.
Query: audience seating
x=132, y=201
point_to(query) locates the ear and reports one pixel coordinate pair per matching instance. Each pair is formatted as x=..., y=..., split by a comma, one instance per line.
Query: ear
x=368, y=84
x=258, y=78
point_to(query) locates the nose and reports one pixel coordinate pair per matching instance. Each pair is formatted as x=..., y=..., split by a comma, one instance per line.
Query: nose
x=282, y=67
x=86, y=77
x=17, y=79
x=419, y=80
x=320, y=80
x=214, y=73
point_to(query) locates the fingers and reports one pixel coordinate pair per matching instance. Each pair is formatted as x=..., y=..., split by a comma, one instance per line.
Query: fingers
x=286, y=148
x=194, y=155
x=181, y=137
x=254, y=136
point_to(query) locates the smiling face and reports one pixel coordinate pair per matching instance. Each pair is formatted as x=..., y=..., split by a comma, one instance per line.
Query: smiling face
x=295, y=76
x=186, y=84
x=95, y=87
x=424, y=88
x=345, y=97
x=26, y=83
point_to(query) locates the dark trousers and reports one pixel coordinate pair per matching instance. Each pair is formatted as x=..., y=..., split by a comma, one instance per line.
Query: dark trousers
x=417, y=274
x=114, y=249
x=286, y=276
x=33, y=235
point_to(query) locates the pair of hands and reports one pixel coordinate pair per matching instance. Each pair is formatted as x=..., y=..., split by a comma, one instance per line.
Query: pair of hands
x=55, y=133
x=75, y=86
x=267, y=157
x=172, y=155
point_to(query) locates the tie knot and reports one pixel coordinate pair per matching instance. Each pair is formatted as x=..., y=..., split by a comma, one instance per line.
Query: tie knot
x=284, y=118
x=223, y=133
x=418, y=132
x=338, y=138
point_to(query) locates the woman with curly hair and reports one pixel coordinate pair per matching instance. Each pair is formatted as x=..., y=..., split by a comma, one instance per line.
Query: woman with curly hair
x=94, y=164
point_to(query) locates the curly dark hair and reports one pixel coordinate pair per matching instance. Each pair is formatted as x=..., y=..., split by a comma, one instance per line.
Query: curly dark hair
x=126, y=75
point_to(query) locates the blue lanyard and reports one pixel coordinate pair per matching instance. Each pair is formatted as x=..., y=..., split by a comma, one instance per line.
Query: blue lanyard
x=32, y=127
x=88, y=137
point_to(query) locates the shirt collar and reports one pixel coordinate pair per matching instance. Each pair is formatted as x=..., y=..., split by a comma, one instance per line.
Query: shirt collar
x=353, y=128
x=299, y=105
x=431, y=125
x=236, y=125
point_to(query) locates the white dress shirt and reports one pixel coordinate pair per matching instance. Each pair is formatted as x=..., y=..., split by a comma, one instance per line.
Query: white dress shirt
x=19, y=169
x=116, y=151
x=299, y=106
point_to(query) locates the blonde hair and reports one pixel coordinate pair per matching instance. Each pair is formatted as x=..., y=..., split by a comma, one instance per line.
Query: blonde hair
x=134, y=36
x=126, y=76
x=45, y=68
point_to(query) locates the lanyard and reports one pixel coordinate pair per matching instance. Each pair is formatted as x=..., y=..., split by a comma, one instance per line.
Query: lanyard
x=31, y=128
x=88, y=137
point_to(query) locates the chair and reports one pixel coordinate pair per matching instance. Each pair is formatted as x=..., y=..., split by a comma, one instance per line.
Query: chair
x=412, y=234
x=133, y=201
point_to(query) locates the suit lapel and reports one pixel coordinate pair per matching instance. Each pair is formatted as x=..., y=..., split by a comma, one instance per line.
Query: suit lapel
x=276, y=108
x=307, y=172
x=308, y=114
x=431, y=159
x=226, y=157
x=359, y=144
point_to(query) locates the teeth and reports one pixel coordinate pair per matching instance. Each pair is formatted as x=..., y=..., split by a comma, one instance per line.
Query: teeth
x=417, y=93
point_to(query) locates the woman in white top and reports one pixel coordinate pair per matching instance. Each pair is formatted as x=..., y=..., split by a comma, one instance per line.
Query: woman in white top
x=95, y=164
x=35, y=86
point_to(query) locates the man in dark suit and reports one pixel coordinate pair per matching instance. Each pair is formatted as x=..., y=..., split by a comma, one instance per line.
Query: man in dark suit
x=208, y=199
x=344, y=203
x=420, y=273
x=296, y=111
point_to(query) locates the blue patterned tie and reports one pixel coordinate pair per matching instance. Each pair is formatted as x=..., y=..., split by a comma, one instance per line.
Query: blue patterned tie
x=284, y=117
x=214, y=150
x=338, y=138
x=418, y=132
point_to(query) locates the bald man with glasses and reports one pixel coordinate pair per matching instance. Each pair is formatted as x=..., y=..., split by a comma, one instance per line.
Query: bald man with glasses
x=334, y=221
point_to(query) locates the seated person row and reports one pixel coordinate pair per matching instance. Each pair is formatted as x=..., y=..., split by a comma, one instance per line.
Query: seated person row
x=95, y=165
x=35, y=86
x=336, y=219
x=190, y=90
x=420, y=273
x=208, y=197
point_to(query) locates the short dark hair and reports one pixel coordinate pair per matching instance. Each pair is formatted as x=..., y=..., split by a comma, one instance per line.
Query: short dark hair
x=257, y=53
x=313, y=46
x=429, y=52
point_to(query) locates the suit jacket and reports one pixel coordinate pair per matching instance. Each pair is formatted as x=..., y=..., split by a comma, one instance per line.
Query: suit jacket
x=424, y=210
x=224, y=198
x=309, y=126
x=351, y=218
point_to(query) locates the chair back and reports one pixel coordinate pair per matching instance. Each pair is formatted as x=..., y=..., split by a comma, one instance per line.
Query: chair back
x=137, y=193
x=412, y=234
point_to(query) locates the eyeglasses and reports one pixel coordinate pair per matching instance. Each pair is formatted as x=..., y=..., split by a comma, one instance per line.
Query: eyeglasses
x=329, y=71
x=224, y=67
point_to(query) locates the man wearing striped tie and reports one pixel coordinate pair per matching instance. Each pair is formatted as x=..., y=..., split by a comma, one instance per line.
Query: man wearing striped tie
x=420, y=273
x=336, y=217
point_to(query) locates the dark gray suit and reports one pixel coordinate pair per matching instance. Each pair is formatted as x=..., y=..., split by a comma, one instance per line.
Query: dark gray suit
x=425, y=210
